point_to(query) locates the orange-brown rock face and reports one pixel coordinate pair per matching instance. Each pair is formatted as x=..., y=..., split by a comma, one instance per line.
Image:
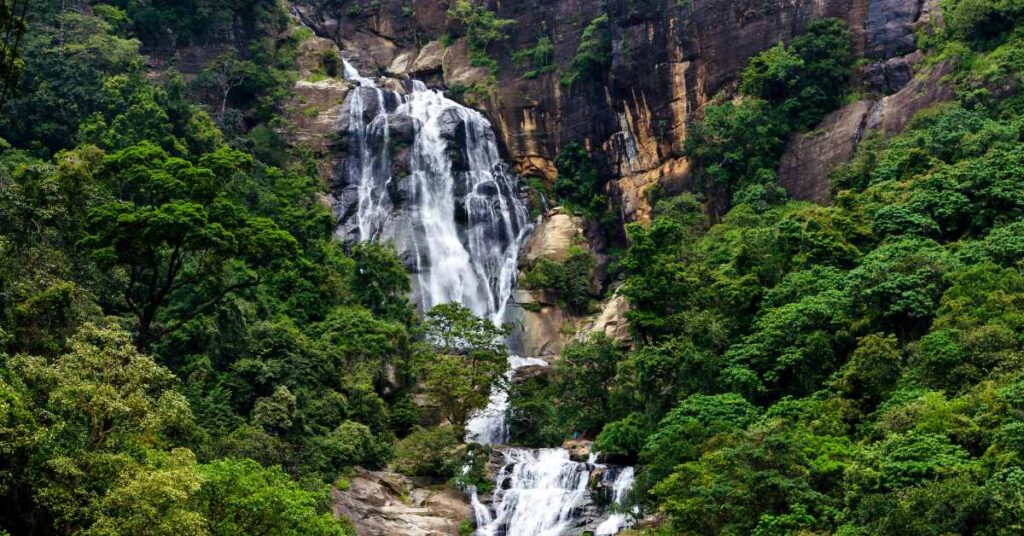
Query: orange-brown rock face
x=668, y=58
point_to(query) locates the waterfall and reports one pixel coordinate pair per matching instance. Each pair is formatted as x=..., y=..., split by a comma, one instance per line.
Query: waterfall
x=539, y=493
x=489, y=426
x=458, y=218
x=370, y=164
x=621, y=486
x=466, y=218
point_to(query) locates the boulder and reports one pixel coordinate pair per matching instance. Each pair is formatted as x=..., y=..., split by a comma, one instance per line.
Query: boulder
x=311, y=53
x=401, y=64
x=579, y=449
x=429, y=59
x=611, y=321
x=388, y=504
x=539, y=326
x=891, y=27
x=889, y=76
x=553, y=237
x=891, y=114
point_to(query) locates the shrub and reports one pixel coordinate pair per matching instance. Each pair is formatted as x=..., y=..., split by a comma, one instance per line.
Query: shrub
x=579, y=185
x=593, y=56
x=429, y=452
x=570, y=281
x=539, y=57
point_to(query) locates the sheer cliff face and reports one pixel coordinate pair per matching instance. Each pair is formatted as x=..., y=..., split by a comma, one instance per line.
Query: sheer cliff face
x=669, y=57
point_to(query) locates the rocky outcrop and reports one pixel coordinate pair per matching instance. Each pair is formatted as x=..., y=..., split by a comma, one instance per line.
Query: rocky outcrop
x=540, y=324
x=891, y=114
x=314, y=112
x=610, y=322
x=554, y=237
x=804, y=168
x=810, y=157
x=387, y=504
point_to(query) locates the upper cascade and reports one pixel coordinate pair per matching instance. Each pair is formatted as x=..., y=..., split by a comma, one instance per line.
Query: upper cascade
x=450, y=205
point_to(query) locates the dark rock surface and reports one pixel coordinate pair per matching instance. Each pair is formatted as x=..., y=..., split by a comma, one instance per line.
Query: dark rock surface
x=803, y=170
x=890, y=27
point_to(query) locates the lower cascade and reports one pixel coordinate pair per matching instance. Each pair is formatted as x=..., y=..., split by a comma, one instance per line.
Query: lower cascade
x=459, y=219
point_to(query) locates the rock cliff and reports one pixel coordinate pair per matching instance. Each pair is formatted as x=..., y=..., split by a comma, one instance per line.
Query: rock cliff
x=669, y=57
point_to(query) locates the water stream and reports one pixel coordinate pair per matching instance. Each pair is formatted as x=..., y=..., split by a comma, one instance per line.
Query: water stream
x=459, y=220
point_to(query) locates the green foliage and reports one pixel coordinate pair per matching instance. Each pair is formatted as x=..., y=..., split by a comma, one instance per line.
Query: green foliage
x=984, y=23
x=434, y=452
x=570, y=281
x=593, y=55
x=682, y=433
x=806, y=78
x=172, y=299
x=539, y=58
x=352, y=444
x=584, y=372
x=469, y=363
x=738, y=144
x=483, y=27
x=241, y=497
x=852, y=369
x=578, y=184
x=786, y=88
x=12, y=25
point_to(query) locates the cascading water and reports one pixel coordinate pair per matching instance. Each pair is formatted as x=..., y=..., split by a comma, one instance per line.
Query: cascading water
x=621, y=486
x=538, y=494
x=459, y=221
x=489, y=426
x=466, y=219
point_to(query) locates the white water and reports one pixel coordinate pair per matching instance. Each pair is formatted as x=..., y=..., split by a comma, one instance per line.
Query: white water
x=538, y=493
x=467, y=250
x=490, y=426
x=371, y=162
x=621, y=487
x=468, y=224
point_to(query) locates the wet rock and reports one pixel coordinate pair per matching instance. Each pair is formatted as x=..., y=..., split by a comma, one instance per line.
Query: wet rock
x=890, y=76
x=402, y=128
x=451, y=125
x=891, y=27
